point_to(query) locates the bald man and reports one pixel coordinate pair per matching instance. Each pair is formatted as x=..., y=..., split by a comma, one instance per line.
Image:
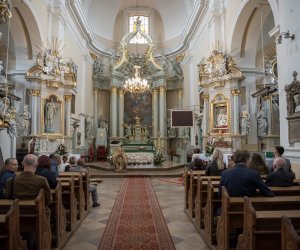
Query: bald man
x=280, y=177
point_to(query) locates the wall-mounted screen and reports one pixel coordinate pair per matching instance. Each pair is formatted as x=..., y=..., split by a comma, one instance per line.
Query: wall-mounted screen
x=182, y=118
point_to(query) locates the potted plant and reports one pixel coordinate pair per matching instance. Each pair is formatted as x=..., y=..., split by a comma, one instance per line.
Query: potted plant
x=158, y=159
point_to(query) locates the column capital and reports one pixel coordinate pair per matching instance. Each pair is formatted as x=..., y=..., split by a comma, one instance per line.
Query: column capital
x=96, y=91
x=268, y=97
x=162, y=89
x=34, y=92
x=180, y=91
x=114, y=89
x=121, y=91
x=235, y=92
x=206, y=96
x=68, y=98
x=154, y=91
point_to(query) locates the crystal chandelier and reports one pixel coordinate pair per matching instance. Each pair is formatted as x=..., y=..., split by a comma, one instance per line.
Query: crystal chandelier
x=136, y=85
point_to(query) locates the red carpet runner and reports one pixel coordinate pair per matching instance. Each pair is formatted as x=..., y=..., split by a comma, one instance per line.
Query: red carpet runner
x=136, y=221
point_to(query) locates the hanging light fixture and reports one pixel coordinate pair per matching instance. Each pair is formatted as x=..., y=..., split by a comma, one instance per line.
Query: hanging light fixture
x=136, y=85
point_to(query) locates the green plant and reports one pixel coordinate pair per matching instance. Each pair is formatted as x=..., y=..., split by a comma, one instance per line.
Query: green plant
x=61, y=149
x=158, y=159
x=209, y=149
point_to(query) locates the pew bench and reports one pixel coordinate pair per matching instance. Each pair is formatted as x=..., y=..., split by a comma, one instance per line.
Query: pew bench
x=262, y=229
x=33, y=219
x=10, y=228
x=290, y=238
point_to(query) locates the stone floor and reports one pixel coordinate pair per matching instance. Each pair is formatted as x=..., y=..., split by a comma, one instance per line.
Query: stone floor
x=170, y=197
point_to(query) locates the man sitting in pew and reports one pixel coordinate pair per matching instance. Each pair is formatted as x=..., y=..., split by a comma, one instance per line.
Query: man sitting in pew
x=10, y=167
x=279, y=177
x=78, y=166
x=240, y=180
x=27, y=185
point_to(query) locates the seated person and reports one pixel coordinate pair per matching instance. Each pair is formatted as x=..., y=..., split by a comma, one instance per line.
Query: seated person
x=55, y=162
x=43, y=169
x=258, y=164
x=79, y=167
x=10, y=167
x=278, y=152
x=27, y=185
x=240, y=180
x=279, y=177
x=196, y=154
x=197, y=164
x=216, y=166
x=64, y=164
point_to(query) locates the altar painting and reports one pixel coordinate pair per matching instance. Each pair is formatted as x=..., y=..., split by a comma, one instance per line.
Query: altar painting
x=138, y=106
x=220, y=115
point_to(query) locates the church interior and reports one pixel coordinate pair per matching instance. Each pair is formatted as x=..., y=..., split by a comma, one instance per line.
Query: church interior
x=150, y=106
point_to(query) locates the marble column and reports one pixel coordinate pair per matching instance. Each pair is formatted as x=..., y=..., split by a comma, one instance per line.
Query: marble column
x=155, y=112
x=96, y=112
x=113, y=112
x=206, y=115
x=180, y=106
x=34, y=93
x=268, y=110
x=236, y=113
x=162, y=111
x=121, y=112
x=68, y=99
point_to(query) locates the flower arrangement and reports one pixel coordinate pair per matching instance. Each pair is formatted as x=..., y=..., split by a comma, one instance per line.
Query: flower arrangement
x=209, y=149
x=61, y=149
x=158, y=159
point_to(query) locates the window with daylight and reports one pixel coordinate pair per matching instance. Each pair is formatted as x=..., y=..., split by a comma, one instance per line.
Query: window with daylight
x=144, y=28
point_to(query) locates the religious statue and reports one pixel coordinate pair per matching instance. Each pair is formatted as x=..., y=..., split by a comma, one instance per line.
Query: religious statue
x=128, y=131
x=98, y=66
x=297, y=102
x=89, y=127
x=8, y=115
x=171, y=132
x=262, y=124
x=101, y=138
x=221, y=119
x=26, y=116
x=186, y=132
x=245, y=121
x=120, y=160
x=50, y=112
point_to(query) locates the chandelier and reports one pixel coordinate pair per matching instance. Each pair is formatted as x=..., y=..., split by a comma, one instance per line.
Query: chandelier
x=136, y=85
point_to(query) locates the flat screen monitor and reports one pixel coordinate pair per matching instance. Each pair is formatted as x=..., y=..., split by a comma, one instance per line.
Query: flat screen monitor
x=182, y=118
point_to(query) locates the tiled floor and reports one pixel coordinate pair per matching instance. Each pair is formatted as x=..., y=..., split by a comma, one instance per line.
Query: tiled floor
x=170, y=197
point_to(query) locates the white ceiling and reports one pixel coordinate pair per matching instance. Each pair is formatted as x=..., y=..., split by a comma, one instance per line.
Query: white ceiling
x=101, y=14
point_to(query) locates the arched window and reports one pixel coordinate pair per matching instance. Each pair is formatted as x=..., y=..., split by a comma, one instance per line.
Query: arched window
x=138, y=38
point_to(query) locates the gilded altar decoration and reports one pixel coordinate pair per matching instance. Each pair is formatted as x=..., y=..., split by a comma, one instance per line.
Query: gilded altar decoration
x=51, y=67
x=218, y=68
x=220, y=115
x=5, y=11
x=293, y=109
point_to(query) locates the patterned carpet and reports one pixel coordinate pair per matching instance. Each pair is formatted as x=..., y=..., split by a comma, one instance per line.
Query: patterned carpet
x=136, y=221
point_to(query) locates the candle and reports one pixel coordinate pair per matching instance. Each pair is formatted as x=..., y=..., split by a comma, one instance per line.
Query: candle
x=47, y=137
x=63, y=140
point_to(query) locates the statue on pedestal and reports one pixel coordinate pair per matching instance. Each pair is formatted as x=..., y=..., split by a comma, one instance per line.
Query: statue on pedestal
x=262, y=124
x=89, y=127
x=26, y=116
x=245, y=121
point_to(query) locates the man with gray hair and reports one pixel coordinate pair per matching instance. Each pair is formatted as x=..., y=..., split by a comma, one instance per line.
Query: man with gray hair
x=279, y=177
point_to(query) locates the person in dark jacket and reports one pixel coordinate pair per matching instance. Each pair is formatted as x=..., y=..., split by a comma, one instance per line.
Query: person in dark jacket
x=10, y=167
x=241, y=181
x=279, y=177
x=216, y=166
x=44, y=169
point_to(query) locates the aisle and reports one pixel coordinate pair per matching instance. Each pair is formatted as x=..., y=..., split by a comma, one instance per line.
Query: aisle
x=170, y=197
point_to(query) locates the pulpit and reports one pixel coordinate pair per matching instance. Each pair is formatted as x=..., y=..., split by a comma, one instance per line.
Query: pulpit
x=101, y=153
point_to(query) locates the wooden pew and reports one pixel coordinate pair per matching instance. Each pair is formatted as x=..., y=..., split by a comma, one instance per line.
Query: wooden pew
x=201, y=198
x=58, y=214
x=290, y=238
x=10, y=228
x=262, y=229
x=69, y=202
x=232, y=212
x=33, y=219
x=78, y=190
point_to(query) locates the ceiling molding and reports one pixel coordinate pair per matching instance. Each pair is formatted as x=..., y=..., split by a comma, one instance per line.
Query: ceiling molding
x=76, y=12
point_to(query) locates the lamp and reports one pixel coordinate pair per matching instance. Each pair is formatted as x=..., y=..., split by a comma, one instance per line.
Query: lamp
x=136, y=85
x=285, y=35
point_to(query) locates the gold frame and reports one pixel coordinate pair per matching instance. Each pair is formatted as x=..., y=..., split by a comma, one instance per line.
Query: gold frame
x=62, y=124
x=219, y=101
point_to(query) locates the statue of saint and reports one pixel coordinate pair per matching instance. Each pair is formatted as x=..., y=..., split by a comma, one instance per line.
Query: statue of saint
x=262, y=124
x=245, y=121
x=89, y=127
x=297, y=102
x=128, y=131
x=50, y=111
x=101, y=138
x=221, y=119
x=26, y=121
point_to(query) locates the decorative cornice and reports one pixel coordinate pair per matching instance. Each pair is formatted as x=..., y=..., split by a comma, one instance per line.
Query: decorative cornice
x=75, y=9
